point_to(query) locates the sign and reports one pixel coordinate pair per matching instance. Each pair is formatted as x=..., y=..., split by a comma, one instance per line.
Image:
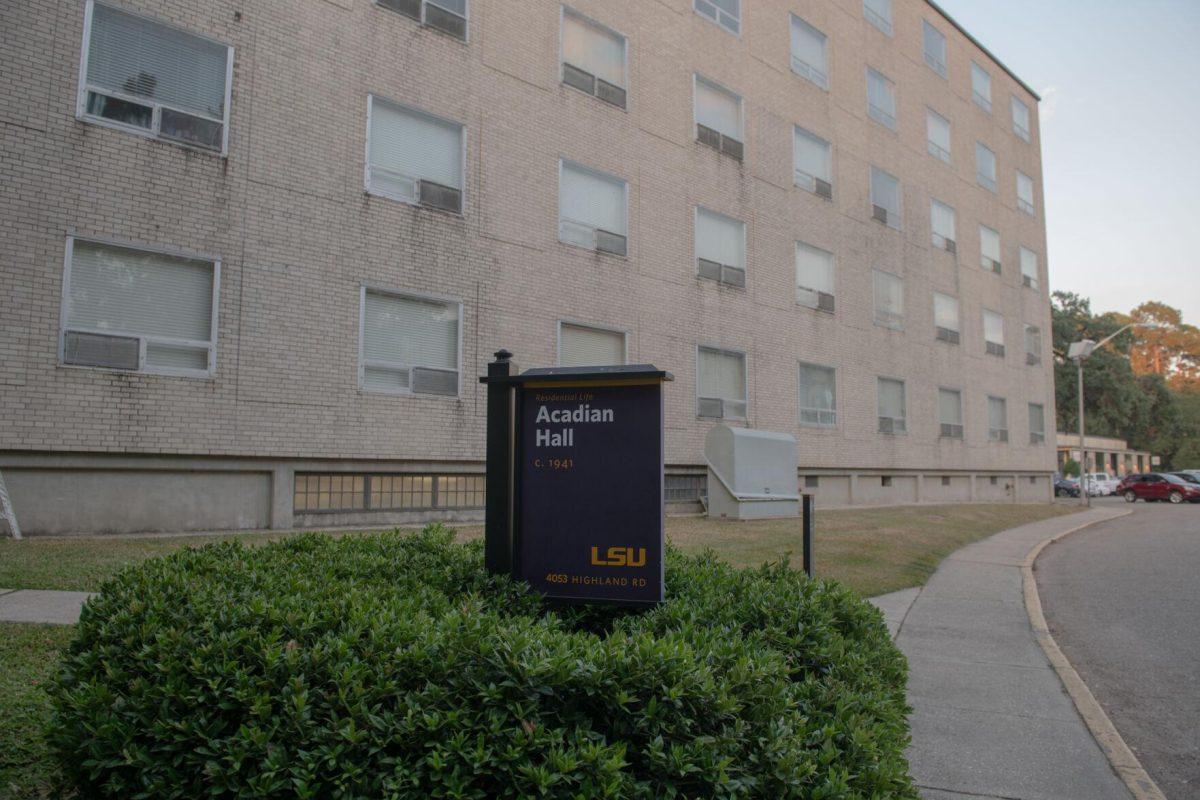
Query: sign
x=590, y=490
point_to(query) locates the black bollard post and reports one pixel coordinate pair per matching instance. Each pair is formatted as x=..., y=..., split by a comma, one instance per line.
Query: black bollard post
x=807, y=512
x=498, y=524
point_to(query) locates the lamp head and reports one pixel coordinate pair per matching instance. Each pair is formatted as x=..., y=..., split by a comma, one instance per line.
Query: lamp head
x=1080, y=350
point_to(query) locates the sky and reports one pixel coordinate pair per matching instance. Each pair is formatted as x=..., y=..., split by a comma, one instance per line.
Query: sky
x=1120, y=129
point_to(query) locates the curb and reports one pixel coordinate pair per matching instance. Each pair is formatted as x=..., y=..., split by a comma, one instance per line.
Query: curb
x=1119, y=756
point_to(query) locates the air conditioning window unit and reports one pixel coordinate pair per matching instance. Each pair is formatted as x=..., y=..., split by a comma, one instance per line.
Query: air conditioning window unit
x=1027, y=281
x=101, y=350
x=731, y=147
x=426, y=380
x=710, y=407
x=610, y=93
x=948, y=335
x=879, y=213
x=1037, y=438
x=445, y=21
x=887, y=425
x=435, y=195
x=1033, y=359
x=719, y=142
x=998, y=434
x=409, y=8
x=994, y=349
x=579, y=79
x=950, y=246
x=825, y=302
x=824, y=188
x=709, y=269
x=950, y=431
x=608, y=242
x=733, y=276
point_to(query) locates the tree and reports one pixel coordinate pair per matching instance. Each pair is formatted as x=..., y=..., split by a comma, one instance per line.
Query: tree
x=1171, y=350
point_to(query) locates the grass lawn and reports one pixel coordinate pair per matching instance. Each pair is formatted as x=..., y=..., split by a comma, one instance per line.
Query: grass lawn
x=871, y=550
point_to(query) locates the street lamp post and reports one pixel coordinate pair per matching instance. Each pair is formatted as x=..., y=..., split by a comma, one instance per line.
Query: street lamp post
x=1079, y=352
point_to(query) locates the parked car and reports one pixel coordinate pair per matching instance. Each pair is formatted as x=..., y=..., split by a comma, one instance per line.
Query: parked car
x=1187, y=476
x=1100, y=484
x=1065, y=487
x=1155, y=486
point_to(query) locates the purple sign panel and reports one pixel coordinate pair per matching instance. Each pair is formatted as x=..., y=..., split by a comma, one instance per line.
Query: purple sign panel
x=590, y=490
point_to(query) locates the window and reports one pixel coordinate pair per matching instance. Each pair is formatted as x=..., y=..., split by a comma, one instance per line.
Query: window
x=997, y=419
x=1037, y=423
x=591, y=209
x=889, y=300
x=720, y=247
x=935, y=49
x=808, y=53
x=885, y=198
x=981, y=87
x=718, y=118
x=139, y=310
x=989, y=249
x=1020, y=119
x=685, y=488
x=726, y=13
x=985, y=166
x=814, y=277
x=993, y=333
x=890, y=401
x=593, y=58
x=150, y=78
x=322, y=493
x=812, y=481
x=950, y=416
x=410, y=344
x=814, y=170
x=1033, y=345
x=1024, y=192
x=818, y=396
x=885, y=481
x=586, y=346
x=881, y=99
x=413, y=157
x=937, y=132
x=945, y=317
x=1029, y=268
x=879, y=14
x=447, y=16
x=943, y=226
x=721, y=384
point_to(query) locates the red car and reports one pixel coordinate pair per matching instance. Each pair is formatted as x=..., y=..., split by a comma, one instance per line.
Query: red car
x=1155, y=486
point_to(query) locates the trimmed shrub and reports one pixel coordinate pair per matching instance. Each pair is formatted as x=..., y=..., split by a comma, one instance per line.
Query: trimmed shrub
x=393, y=666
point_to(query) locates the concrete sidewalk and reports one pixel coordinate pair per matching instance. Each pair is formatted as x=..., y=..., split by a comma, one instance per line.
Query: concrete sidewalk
x=991, y=719
x=41, y=605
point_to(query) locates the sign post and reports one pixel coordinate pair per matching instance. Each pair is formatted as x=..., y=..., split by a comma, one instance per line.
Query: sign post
x=582, y=466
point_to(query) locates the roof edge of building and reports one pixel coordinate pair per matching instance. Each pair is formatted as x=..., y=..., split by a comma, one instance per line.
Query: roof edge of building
x=979, y=44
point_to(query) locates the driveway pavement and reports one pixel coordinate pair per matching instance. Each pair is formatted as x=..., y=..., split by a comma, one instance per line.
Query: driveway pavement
x=1122, y=599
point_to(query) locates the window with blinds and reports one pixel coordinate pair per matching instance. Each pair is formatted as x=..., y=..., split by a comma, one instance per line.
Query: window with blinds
x=950, y=416
x=720, y=247
x=718, y=115
x=818, y=396
x=814, y=163
x=591, y=209
x=153, y=78
x=889, y=300
x=942, y=217
x=585, y=346
x=997, y=419
x=885, y=198
x=945, y=317
x=993, y=333
x=593, y=58
x=981, y=87
x=139, y=310
x=809, y=58
x=1020, y=119
x=989, y=248
x=445, y=16
x=879, y=14
x=985, y=166
x=1029, y=268
x=720, y=384
x=891, y=405
x=726, y=13
x=935, y=49
x=937, y=133
x=1033, y=345
x=410, y=344
x=815, y=277
x=1024, y=192
x=413, y=157
x=881, y=98
x=1037, y=423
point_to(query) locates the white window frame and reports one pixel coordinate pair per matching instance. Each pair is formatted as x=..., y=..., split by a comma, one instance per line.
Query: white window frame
x=957, y=311
x=934, y=149
x=983, y=102
x=1024, y=134
x=801, y=132
x=1023, y=205
x=880, y=115
x=563, y=161
x=745, y=379
x=362, y=326
x=819, y=411
x=940, y=67
x=994, y=433
x=466, y=18
x=1036, y=437
x=1037, y=268
x=152, y=132
x=962, y=414
x=935, y=237
x=462, y=144
x=574, y=323
x=720, y=11
x=143, y=340
x=1038, y=338
x=1003, y=326
x=796, y=277
x=876, y=311
x=990, y=266
x=565, y=11
x=899, y=215
x=698, y=78
x=903, y=400
x=697, y=211
x=817, y=77
x=884, y=26
x=983, y=180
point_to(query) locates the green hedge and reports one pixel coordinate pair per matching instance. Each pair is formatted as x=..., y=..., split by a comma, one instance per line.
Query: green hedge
x=393, y=666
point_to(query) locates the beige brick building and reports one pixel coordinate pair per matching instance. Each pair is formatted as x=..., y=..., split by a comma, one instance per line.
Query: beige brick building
x=230, y=299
